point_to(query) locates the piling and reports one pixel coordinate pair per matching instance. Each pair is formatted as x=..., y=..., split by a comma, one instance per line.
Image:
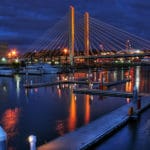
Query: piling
x=32, y=142
x=139, y=103
x=130, y=111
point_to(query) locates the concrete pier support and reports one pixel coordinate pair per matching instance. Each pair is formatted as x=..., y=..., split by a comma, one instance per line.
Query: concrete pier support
x=71, y=34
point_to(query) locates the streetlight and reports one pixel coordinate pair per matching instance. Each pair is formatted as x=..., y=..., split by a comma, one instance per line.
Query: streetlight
x=65, y=52
x=13, y=54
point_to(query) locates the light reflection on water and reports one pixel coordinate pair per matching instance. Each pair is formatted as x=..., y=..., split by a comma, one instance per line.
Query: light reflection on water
x=9, y=121
x=87, y=108
x=72, y=120
x=49, y=112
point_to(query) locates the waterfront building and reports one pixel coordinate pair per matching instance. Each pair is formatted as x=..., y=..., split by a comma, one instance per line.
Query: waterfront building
x=3, y=49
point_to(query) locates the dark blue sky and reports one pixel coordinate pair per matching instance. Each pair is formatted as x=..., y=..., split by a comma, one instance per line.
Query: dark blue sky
x=22, y=21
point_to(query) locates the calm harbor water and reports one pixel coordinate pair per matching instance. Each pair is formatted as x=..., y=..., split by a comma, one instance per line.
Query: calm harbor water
x=134, y=136
x=49, y=112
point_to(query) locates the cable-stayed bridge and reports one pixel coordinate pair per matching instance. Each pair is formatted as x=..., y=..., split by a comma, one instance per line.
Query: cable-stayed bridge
x=81, y=36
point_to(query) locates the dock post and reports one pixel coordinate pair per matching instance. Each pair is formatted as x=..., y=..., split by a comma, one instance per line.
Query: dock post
x=58, y=78
x=139, y=103
x=32, y=141
x=101, y=84
x=130, y=111
x=135, y=93
x=90, y=85
x=3, y=138
x=135, y=97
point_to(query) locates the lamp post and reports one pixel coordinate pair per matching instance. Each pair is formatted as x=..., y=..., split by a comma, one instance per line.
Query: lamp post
x=12, y=54
x=32, y=141
x=65, y=52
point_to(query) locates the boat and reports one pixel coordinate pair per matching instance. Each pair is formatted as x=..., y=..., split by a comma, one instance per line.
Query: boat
x=38, y=69
x=31, y=70
x=145, y=60
x=47, y=68
x=6, y=71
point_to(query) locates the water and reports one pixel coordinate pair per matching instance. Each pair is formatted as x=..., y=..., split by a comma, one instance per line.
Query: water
x=134, y=136
x=50, y=112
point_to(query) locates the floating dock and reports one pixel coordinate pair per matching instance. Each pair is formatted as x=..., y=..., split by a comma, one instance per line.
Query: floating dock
x=103, y=92
x=97, y=130
x=35, y=85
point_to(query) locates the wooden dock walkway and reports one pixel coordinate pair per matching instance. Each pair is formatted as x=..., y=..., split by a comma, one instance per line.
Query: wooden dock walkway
x=96, y=130
x=103, y=92
x=35, y=85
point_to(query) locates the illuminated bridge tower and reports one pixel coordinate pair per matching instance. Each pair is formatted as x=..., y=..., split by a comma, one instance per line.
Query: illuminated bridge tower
x=86, y=33
x=71, y=33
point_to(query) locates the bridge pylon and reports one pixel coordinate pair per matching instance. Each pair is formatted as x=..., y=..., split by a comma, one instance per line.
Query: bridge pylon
x=71, y=33
x=86, y=33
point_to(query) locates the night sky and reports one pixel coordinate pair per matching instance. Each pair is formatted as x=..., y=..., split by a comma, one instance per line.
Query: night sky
x=22, y=21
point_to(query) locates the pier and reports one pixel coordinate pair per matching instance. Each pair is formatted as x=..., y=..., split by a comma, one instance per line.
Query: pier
x=103, y=92
x=87, y=82
x=97, y=130
x=83, y=56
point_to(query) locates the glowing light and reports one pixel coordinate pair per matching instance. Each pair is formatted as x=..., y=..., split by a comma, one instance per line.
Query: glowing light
x=128, y=86
x=18, y=79
x=59, y=92
x=9, y=55
x=91, y=97
x=36, y=90
x=60, y=127
x=87, y=109
x=128, y=100
x=13, y=53
x=72, y=117
x=4, y=88
x=10, y=120
x=3, y=59
x=65, y=51
x=137, y=77
x=17, y=60
x=32, y=139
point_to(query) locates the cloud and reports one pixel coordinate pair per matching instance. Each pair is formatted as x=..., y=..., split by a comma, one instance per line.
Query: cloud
x=25, y=21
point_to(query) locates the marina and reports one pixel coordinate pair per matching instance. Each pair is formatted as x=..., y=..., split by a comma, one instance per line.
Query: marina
x=75, y=110
x=81, y=83
x=91, y=133
x=34, y=85
x=104, y=92
x=38, y=69
x=6, y=71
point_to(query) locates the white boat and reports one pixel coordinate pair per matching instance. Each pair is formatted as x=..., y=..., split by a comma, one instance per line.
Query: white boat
x=146, y=60
x=47, y=68
x=6, y=71
x=38, y=69
x=32, y=70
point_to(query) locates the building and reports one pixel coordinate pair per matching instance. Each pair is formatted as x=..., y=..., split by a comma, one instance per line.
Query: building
x=3, y=49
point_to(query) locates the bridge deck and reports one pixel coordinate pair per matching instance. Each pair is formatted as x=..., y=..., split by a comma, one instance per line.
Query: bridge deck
x=96, y=130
